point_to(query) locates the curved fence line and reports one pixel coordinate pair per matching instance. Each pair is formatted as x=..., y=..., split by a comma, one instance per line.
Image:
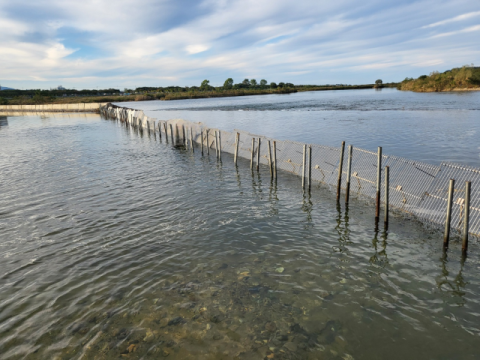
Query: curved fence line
x=414, y=187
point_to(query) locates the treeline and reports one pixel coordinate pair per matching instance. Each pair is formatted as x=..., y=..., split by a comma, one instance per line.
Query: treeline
x=464, y=78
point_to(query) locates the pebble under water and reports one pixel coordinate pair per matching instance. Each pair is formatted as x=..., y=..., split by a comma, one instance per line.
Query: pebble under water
x=114, y=244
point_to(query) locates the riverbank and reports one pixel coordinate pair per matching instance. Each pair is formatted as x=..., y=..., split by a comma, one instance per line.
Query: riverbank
x=466, y=78
x=88, y=108
x=167, y=96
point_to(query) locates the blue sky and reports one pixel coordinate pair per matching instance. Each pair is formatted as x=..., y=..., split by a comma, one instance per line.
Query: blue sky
x=97, y=43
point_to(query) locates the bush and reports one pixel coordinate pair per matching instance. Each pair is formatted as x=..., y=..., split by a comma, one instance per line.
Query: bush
x=3, y=101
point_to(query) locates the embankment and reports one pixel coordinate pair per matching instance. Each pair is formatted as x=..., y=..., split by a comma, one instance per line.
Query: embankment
x=89, y=108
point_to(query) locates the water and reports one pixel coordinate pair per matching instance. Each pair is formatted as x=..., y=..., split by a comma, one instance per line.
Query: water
x=428, y=127
x=115, y=245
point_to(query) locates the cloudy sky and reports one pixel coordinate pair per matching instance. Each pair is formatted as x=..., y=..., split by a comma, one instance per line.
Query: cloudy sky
x=125, y=43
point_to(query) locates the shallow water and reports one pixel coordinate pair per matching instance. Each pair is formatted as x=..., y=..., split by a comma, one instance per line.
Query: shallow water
x=115, y=245
x=428, y=127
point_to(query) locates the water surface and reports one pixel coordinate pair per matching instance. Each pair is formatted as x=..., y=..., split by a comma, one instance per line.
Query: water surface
x=115, y=245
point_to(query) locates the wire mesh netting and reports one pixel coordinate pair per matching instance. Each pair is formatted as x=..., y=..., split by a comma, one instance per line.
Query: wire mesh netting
x=417, y=188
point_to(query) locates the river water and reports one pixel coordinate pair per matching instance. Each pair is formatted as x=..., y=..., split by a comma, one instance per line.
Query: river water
x=428, y=127
x=115, y=245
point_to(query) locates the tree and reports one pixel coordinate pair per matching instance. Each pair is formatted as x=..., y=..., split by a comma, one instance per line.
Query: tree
x=205, y=85
x=379, y=82
x=253, y=82
x=273, y=85
x=228, y=84
x=246, y=82
x=281, y=84
x=263, y=82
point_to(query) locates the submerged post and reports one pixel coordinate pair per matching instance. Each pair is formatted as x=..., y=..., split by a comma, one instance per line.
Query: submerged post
x=184, y=137
x=379, y=180
x=219, y=145
x=349, y=170
x=275, y=159
x=237, y=139
x=340, y=168
x=208, y=145
x=216, y=143
x=201, y=139
x=304, y=163
x=159, y=125
x=270, y=159
x=466, y=218
x=252, y=152
x=191, y=139
x=258, y=154
x=448, y=220
x=387, y=180
x=309, y=167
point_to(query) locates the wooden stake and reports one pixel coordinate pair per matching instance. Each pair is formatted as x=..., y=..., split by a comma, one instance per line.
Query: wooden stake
x=253, y=151
x=466, y=218
x=387, y=181
x=258, y=154
x=191, y=139
x=219, y=145
x=201, y=138
x=448, y=220
x=309, y=168
x=349, y=170
x=340, y=169
x=304, y=164
x=237, y=139
x=270, y=159
x=379, y=180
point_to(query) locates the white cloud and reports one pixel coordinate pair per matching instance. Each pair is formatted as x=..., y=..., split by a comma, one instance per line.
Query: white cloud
x=454, y=19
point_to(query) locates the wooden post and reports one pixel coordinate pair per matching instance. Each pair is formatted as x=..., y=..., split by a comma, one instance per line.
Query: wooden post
x=253, y=151
x=340, y=169
x=237, y=139
x=379, y=180
x=387, y=181
x=216, y=143
x=208, y=145
x=191, y=139
x=148, y=127
x=309, y=167
x=184, y=137
x=219, y=145
x=159, y=125
x=349, y=170
x=275, y=159
x=177, y=135
x=270, y=159
x=201, y=138
x=466, y=218
x=171, y=134
x=304, y=164
x=448, y=220
x=258, y=154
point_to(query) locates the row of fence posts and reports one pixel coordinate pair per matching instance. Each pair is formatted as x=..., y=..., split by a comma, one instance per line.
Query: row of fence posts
x=272, y=161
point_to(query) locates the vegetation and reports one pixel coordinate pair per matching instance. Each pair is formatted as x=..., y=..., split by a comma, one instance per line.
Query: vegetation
x=465, y=78
x=205, y=90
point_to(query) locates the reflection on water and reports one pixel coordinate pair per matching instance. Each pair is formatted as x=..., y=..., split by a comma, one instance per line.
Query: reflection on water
x=3, y=121
x=116, y=245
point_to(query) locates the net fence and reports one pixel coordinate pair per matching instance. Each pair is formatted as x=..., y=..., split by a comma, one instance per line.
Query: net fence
x=416, y=188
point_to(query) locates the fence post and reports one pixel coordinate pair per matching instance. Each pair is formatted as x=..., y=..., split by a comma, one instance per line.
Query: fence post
x=191, y=139
x=177, y=135
x=379, y=180
x=304, y=163
x=275, y=159
x=270, y=159
x=340, y=168
x=216, y=144
x=387, y=181
x=219, y=145
x=309, y=168
x=208, y=145
x=258, y=154
x=171, y=134
x=448, y=220
x=166, y=131
x=237, y=140
x=349, y=170
x=466, y=218
x=159, y=130
x=184, y=137
x=252, y=152
x=201, y=138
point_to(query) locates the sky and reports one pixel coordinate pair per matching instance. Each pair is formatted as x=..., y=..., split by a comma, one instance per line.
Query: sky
x=127, y=44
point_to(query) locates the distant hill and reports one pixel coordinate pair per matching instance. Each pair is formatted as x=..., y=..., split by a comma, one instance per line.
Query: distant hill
x=6, y=88
x=457, y=79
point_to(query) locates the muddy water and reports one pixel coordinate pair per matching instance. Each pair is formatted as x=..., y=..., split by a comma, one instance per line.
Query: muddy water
x=115, y=245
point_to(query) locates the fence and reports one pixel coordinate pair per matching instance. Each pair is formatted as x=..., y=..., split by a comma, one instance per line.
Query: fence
x=414, y=187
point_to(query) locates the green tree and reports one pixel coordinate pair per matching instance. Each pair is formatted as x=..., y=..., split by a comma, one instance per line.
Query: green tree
x=3, y=101
x=273, y=85
x=281, y=84
x=263, y=82
x=246, y=82
x=205, y=85
x=253, y=82
x=228, y=84
x=379, y=82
